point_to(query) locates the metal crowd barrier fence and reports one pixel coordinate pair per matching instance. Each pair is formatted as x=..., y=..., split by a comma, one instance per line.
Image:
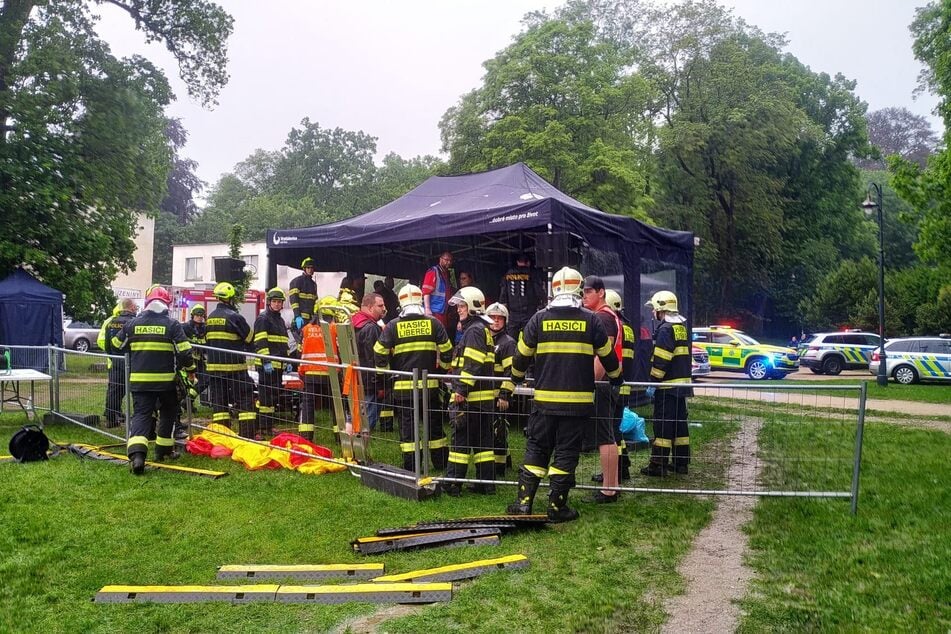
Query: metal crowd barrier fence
x=768, y=439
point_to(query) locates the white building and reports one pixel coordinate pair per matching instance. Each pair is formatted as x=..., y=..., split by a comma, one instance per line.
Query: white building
x=193, y=266
x=134, y=283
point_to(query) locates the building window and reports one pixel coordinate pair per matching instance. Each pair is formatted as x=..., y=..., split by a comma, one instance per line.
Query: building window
x=192, y=269
x=251, y=261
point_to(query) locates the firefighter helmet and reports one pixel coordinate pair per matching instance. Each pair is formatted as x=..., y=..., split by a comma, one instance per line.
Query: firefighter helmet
x=566, y=281
x=197, y=309
x=117, y=309
x=497, y=309
x=159, y=293
x=346, y=297
x=224, y=291
x=471, y=297
x=410, y=295
x=326, y=305
x=276, y=293
x=613, y=299
x=306, y=262
x=663, y=301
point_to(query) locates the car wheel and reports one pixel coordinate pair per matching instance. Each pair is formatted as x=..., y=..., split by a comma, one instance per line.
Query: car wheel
x=757, y=369
x=832, y=365
x=816, y=370
x=81, y=345
x=905, y=374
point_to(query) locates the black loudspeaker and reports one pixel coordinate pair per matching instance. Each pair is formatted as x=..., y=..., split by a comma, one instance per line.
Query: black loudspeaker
x=229, y=270
x=555, y=250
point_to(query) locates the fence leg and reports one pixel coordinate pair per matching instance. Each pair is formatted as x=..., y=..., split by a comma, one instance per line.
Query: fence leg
x=857, y=462
x=127, y=371
x=424, y=406
x=416, y=421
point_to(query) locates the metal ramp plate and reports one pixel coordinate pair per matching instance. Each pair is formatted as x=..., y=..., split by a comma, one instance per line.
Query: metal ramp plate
x=458, y=571
x=432, y=528
x=367, y=593
x=520, y=521
x=489, y=540
x=96, y=453
x=374, y=545
x=324, y=571
x=185, y=594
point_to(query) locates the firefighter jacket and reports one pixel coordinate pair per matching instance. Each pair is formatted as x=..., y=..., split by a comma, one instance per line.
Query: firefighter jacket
x=504, y=355
x=313, y=351
x=409, y=342
x=671, y=361
x=563, y=341
x=158, y=348
x=270, y=337
x=110, y=328
x=228, y=332
x=522, y=292
x=624, y=348
x=303, y=295
x=368, y=333
x=196, y=335
x=475, y=357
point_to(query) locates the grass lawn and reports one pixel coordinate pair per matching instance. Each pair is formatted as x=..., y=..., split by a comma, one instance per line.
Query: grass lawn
x=69, y=527
x=921, y=392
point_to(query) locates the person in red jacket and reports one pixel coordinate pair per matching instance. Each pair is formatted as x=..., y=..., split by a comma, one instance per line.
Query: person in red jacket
x=366, y=325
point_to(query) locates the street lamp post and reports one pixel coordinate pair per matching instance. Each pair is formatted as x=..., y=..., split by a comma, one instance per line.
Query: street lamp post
x=868, y=206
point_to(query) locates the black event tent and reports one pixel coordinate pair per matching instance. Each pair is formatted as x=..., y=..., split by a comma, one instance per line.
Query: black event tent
x=485, y=219
x=31, y=314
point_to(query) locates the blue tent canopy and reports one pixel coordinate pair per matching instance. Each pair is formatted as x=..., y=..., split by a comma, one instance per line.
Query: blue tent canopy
x=485, y=219
x=31, y=314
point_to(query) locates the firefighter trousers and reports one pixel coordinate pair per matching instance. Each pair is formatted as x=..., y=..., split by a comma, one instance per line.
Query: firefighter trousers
x=316, y=394
x=471, y=436
x=555, y=441
x=670, y=429
x=115, y=392
x=232, y=389
x=437, y=443
x=143, y=426
x=269, y=395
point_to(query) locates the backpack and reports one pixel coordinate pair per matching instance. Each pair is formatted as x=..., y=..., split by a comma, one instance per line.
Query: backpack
x=29, y=444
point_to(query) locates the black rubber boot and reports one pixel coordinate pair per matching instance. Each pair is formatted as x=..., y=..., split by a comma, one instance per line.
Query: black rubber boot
x=527, y=486
x=655, y=470
x=558, y=509
x=137, y=463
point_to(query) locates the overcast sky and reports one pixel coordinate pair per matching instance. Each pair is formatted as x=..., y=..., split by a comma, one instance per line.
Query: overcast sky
x=391, y=69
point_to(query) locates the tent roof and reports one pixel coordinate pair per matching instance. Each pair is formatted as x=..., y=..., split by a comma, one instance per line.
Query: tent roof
x=21, y=286
x=493, y=209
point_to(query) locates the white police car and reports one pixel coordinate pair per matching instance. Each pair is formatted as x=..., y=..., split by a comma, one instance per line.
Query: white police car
x=832, y=352
x=913, y=359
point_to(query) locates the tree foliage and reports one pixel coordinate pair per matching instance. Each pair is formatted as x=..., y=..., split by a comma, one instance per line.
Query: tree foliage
x=899, y=131
x=82, y=135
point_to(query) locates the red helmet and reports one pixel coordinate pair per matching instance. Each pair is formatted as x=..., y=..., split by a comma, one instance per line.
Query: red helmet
x=161, y=294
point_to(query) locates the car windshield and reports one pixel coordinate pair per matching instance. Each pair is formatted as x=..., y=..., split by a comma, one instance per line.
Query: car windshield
x=807, y=339
x=746, y=340
x=79, y=324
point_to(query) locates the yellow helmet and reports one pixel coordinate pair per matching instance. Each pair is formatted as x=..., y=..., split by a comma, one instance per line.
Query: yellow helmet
x=472, y=297
x=326, y=304
x=276, y=293
x=224, y=291
x=497, y=309
x=663, y=301
x=117, y=309
x=410, y=295
x=613, y=299
x=306, y=262
x=566, y=281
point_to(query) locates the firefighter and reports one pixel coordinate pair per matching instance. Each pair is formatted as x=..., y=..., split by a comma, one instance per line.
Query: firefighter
x=473, y=398
x=124, y=312
x=522, y=292
x=303, y=292
x=504, y=353
x=415, y=340
x=312, y=369
x=158, y=348
x=229, y=334
x=270, y=339
x=670, y=367
x=195, y=331
x=628, y=344
x=562, y=339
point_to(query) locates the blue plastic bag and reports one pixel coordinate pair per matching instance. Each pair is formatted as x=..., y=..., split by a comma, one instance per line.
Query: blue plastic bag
x=632, y=427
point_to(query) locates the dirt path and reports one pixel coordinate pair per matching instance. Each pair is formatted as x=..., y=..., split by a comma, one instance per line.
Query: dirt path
x=369, y=623
x=714, y=570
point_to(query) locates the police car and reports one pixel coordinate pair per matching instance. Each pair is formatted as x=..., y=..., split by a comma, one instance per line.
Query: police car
x=832, y=352
x=733, y=350
x=913, y=359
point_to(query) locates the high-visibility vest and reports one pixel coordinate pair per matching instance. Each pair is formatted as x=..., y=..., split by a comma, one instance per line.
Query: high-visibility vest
x=313, y=350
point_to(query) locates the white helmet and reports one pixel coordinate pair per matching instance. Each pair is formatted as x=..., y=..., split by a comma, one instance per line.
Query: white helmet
x=471, y=297
x=613, y=299
x=410, y=296
x=497, y=309
x=566, y=281
x=663, y=301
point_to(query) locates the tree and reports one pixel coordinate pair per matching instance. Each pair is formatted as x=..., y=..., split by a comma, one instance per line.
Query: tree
x=898, y=131
x=82, y=143
x=564, y=101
